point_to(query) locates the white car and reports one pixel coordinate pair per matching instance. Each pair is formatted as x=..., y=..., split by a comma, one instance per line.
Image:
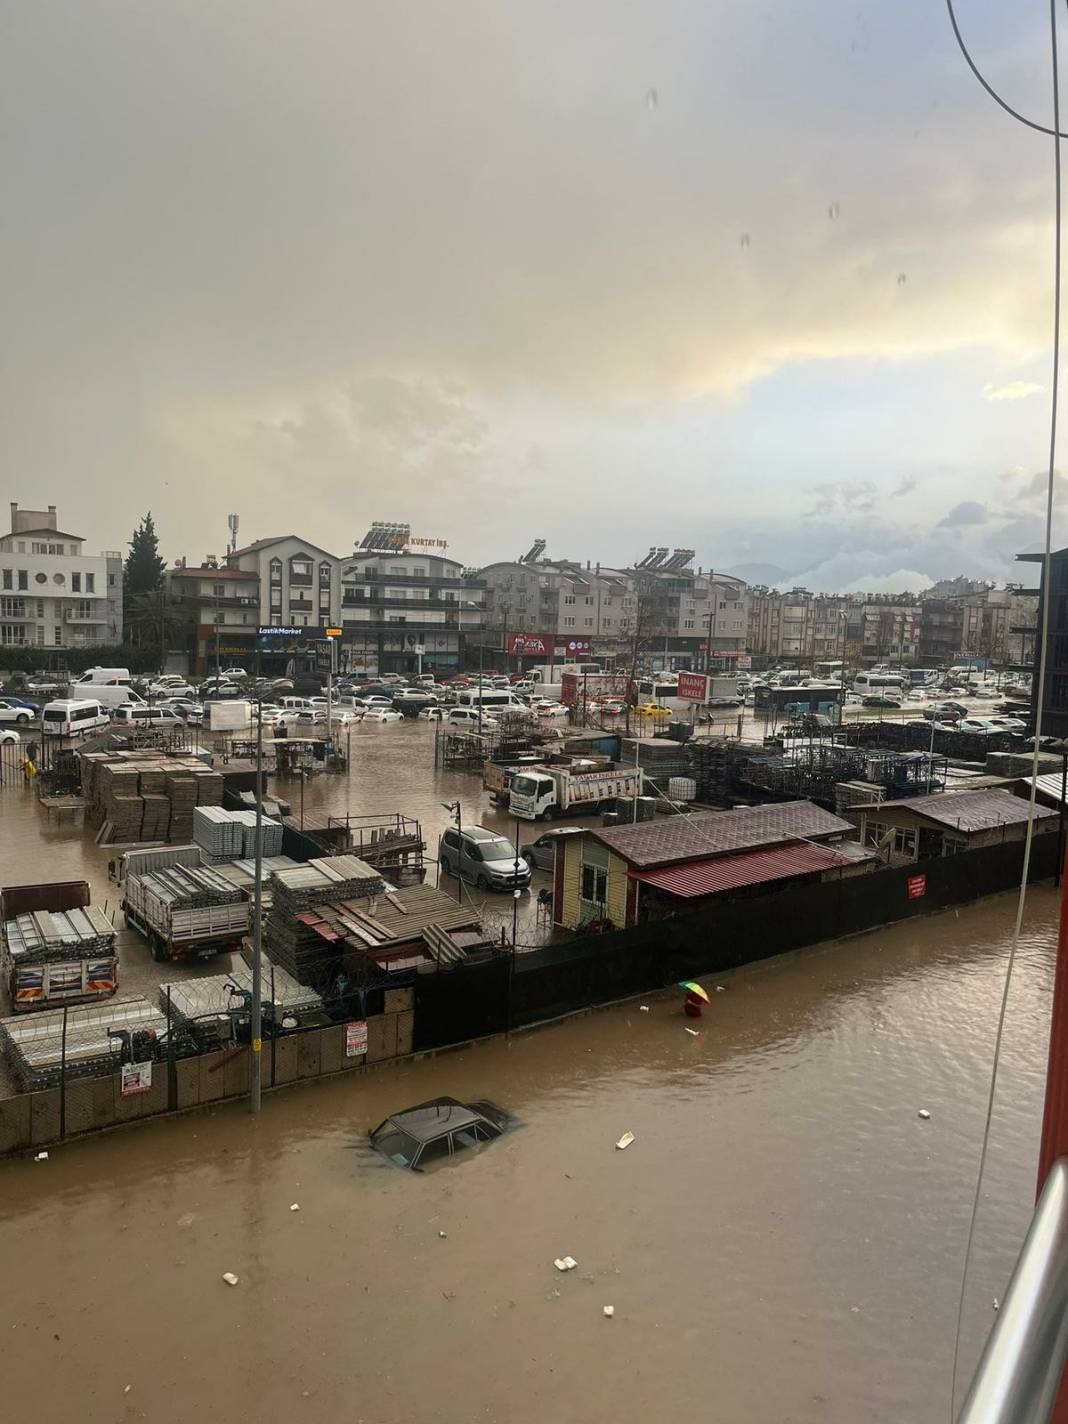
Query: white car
x=545, y=708
x=9, y=736
x=170, y=689
x=378, y=700
x=189, y=711
x=979, y=725
x=234, y=672
x=382, y=714
x=1007, y=724
x=12, y=712
x=434, y=714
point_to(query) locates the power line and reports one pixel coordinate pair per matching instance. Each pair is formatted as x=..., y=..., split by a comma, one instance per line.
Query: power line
x=1015, y=113
x=1056, y=134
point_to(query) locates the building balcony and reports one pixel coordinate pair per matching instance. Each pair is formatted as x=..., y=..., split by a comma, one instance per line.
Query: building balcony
x=349, y=600
x=71, y=615
x=418, y=580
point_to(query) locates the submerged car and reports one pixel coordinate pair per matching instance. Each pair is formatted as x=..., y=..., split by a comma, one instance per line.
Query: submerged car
x=432, y=1133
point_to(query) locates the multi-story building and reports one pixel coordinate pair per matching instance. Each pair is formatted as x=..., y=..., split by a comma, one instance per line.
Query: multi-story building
x=52, y=593
x=566, y=607
x=408, y=611
x=299, y=583
x=558, y=602
x=221, y=610
x=965, y=618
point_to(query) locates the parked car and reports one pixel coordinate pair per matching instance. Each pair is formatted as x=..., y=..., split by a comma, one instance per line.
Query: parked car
x=725, y=702
x=945, y=712
x=383, y=714
x=15, y=712
x=484, y=856
x=169, y=689
x=468, y=718
x=434, y=714
x=189, y=711
x=881, y=699
x=219, y=688
x=546, y=708
x=541, y=854
x=234, y=672
x=43, y=683
x=652, y=709
x=433, y=1133
x=979, y=726
x=33, y=707
x=1007, y=724
x=8, y=735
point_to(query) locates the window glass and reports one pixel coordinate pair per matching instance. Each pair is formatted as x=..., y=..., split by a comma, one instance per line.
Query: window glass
x=434, y=1152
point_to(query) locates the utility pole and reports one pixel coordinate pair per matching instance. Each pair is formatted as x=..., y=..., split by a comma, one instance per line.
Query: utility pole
x=256, y=1024
x=453, y=807
x=217, y=596
x=711, y=619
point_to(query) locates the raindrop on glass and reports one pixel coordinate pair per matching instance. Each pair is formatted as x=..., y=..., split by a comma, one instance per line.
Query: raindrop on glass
x=833, y=211
x=901, y=279
x=652, y=99
x=743, y=241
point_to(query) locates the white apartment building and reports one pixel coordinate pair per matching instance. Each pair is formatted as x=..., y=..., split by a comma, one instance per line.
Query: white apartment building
x=52, y=593
x=299, y=583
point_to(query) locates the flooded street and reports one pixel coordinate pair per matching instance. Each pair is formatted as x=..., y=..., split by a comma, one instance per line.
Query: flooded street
x=782, y=1241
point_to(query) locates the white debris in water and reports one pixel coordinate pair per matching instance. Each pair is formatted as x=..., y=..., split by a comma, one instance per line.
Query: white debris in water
x=565, y=1263
x=721, y=988
x=443, y=1235
x=230, y=1278
x=295, y=1206
x=643, y=1008
x=996, y=1305
x=691, y=1030
x=41, y=1157
x=924, y=1114
x=609, y=1310
x=625, y=1141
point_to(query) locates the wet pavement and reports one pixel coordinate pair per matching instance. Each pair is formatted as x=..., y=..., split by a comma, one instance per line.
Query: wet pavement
x=782, y=1241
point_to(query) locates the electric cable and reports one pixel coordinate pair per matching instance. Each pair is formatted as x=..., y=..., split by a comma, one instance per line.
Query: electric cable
x=1015, y=113
x=1056, y=134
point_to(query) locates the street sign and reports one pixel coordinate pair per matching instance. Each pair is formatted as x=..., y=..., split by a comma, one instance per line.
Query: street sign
x=276, y=632
x=333, y=632
x=356, y=1038
x=917, y=886
x=693, y=687
x=136, y=1078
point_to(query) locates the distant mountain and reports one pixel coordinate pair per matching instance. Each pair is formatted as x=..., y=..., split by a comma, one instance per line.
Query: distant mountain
x=770, y=574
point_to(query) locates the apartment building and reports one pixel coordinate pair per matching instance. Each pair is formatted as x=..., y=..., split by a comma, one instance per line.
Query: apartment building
x=801, y=627
x=560, y=600
x=671, y=607
x=220, y=608
x=408, y=611
x=299, y=583
x=52, y=593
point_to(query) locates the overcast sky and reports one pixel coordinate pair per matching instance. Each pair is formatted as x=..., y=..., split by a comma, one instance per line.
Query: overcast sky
x=771, y=282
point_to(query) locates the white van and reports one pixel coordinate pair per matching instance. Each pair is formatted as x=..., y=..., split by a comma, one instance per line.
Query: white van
x=297, y=704
x=114, y=695
x=70, y=717
x=142, y=716
x=96, y=676
x=494, y=701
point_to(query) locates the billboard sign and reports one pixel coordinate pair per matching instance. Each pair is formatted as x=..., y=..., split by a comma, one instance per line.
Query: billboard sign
x=528, y=645
x=693, y=687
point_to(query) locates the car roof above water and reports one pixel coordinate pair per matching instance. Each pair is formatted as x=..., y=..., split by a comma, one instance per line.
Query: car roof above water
x=429, y=1120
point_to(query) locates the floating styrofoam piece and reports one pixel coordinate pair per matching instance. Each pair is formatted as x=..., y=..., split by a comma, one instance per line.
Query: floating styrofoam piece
x=295, y=1206
x=230, y=1278
x=643, y=1008
x=625, y=1141
x=41, y=1157
x=609, y=1310
x=924, y=1114
x=692, y=1031
x=565, y=1263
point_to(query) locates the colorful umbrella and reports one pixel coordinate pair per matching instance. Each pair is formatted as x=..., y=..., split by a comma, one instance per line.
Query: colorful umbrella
x=692, y=988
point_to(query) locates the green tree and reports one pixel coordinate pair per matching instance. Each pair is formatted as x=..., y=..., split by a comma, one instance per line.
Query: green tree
x=152, y=624
x=143, y=570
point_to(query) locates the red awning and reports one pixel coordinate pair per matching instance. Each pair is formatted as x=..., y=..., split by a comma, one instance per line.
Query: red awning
x=728, y=872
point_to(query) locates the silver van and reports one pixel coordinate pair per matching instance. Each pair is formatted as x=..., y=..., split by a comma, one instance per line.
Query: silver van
x=483, y=856
x=159, y=717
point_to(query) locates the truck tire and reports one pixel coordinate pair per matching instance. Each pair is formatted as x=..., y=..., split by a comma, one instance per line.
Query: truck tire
x=482, y=884
x=157, y=948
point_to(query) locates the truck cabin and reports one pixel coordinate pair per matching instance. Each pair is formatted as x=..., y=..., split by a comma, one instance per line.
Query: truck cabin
x=537, y=785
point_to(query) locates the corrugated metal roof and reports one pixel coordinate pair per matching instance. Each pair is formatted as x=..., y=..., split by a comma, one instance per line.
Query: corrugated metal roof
x=677, y=838
x=968, y=811
x=707, y=877
x=1049, y=785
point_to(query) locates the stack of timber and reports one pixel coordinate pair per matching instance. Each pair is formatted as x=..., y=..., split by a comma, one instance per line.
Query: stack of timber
x=146, y=795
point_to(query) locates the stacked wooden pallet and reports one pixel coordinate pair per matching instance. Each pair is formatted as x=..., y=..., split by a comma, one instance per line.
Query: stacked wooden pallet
x=293, y=936
x=125, y=794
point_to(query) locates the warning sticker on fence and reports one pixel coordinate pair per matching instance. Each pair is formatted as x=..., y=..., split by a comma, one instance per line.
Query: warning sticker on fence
x=136, y=1078
x=355, y=1039
x=917, y=887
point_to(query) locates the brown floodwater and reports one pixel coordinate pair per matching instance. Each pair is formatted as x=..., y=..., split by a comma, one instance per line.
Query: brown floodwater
x=783, y=1240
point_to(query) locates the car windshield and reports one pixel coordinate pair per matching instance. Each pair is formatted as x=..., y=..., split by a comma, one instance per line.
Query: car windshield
x=497, y=850
x=526, y=785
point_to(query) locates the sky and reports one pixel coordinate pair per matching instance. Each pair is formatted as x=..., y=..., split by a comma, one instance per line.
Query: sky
x=773, y=283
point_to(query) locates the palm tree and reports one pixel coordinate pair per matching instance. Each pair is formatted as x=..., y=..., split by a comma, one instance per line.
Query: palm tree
x=151, y=622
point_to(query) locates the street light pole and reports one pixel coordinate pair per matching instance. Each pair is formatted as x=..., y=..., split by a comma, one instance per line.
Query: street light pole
x=256, y=1024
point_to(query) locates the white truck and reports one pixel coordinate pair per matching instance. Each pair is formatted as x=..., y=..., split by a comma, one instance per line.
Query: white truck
x=542, y=792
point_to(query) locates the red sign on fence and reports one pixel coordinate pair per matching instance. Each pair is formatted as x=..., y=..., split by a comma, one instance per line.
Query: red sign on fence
x=917, y=885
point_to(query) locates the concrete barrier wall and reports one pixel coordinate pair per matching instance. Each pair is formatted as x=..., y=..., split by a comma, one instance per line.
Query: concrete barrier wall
x=33, y=1120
